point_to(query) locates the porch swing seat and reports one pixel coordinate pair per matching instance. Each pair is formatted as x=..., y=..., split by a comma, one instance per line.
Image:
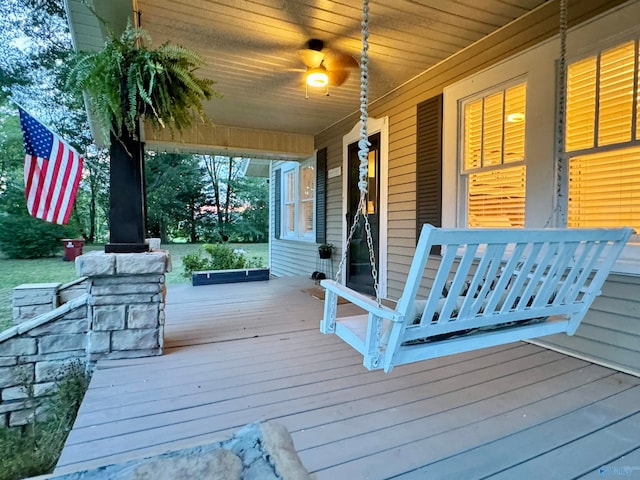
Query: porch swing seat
x=483, y=287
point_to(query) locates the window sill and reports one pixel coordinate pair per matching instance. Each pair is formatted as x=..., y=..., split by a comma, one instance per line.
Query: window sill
x=629, y=261
x=298, y=240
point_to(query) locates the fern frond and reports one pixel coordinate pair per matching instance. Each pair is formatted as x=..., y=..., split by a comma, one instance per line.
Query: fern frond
x=128, y=80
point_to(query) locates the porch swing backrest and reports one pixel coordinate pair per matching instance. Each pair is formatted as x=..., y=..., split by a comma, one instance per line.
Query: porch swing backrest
x=491, y=286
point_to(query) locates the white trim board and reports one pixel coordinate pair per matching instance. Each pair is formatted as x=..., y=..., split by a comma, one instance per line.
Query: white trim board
x=374, y=125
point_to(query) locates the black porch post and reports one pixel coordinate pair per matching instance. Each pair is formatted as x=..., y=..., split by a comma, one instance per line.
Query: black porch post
x=127, y=199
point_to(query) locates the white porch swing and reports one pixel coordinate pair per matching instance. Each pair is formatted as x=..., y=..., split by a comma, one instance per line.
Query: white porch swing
x=490, y=287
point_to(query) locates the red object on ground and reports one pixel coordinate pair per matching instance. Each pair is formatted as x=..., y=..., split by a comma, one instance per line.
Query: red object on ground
x=72, y=248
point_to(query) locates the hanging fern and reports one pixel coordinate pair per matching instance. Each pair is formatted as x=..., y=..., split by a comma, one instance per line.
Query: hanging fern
x=128, y=81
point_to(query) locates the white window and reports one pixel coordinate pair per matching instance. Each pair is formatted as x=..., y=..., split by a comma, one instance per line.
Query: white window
x=299, y=201
x=602, y=139
x=493, y=159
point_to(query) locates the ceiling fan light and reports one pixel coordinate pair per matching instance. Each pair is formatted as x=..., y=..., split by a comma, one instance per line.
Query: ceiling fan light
x=317, y=77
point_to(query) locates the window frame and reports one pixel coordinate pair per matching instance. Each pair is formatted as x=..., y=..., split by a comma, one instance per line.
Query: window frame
x=597, y=145
x=464, y=173
x=297, y=233
x=545, y=204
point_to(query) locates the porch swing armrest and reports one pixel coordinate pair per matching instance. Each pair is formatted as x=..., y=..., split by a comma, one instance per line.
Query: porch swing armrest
x=361, y=300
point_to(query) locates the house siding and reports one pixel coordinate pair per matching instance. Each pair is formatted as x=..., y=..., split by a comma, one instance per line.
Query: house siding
x=290, y=257
x=610, y=333
x=598, y=339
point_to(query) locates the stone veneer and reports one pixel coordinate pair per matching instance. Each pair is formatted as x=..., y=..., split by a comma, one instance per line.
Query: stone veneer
x=117, y=311
x=258, y=451
x=33, y=355
x=33, y=299
x=126, y=305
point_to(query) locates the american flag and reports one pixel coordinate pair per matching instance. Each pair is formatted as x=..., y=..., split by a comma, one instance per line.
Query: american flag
x=52, y=171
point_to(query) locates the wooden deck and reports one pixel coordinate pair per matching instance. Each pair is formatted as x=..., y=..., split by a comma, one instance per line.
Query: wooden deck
x=240, y=353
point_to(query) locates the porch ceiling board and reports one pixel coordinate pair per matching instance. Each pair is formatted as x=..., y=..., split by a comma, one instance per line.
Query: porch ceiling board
x=232, y=141
x=241, y=353
x=250, y=48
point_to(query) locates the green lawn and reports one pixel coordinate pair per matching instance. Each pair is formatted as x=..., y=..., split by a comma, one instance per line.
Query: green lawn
x=46, y=270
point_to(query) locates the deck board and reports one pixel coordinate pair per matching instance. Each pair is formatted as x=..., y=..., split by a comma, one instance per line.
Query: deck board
x=510, y=451
x=443, y=434
x=577, y=458
x=238, y=354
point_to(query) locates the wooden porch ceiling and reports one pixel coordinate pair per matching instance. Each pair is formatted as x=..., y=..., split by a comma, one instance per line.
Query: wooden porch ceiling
x=250, y=48
x=242, y=353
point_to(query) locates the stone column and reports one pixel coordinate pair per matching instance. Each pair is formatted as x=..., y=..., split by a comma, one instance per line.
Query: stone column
x=126, y=304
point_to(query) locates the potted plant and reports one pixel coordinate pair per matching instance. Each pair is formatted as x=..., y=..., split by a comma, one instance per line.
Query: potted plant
x=325, y=250
x=127, y=82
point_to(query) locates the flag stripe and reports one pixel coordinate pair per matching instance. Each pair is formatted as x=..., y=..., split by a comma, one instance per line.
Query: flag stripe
x=30, y=175
x=57, y=180
x=63, y=178
x=50, y=190
x=52, y=172
x=68, y=171
x=40, y=173
x=76, y=175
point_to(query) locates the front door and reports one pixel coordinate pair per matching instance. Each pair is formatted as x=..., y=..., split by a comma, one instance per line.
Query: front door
x=359, y=274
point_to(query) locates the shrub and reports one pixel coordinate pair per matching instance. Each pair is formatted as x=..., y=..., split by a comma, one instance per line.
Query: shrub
x=220, y=257
x=28, y=237
x=34, y=449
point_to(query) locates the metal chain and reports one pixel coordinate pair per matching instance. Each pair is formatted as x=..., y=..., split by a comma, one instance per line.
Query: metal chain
x=378, y=356
x=559, y=209
x=363, y=157
x=562, y=94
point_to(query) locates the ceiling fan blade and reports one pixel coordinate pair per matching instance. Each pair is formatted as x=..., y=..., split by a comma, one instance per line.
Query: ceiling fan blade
x=311, y=58
x=337, y=77
x=335, y=60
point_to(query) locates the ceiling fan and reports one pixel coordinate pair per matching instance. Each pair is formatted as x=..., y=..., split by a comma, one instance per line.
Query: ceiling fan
x=325, y=66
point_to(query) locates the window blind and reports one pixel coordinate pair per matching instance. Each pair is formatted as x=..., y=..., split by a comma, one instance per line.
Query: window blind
x=515, y=106
x=497, y=197
x=604, y=184
x=492, y=130
x=290, y=201
x=616, y=94
x=307, y=197
x=472, y=135
x=581, y=105
x=604, y=189
x=600, y=93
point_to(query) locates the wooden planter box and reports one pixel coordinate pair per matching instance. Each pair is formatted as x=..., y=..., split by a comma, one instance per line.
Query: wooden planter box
x=214, y=277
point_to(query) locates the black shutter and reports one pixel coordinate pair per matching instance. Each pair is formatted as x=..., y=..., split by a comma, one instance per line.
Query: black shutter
x=321, y=196
x=277, y=200
x=429, y=164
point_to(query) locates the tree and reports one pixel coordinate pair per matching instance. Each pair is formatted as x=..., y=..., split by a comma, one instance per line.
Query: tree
x=92, y=201
x=174, y=194
x=222, y=174
x=11, y=150
x=252, y=224
x=35, y=46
